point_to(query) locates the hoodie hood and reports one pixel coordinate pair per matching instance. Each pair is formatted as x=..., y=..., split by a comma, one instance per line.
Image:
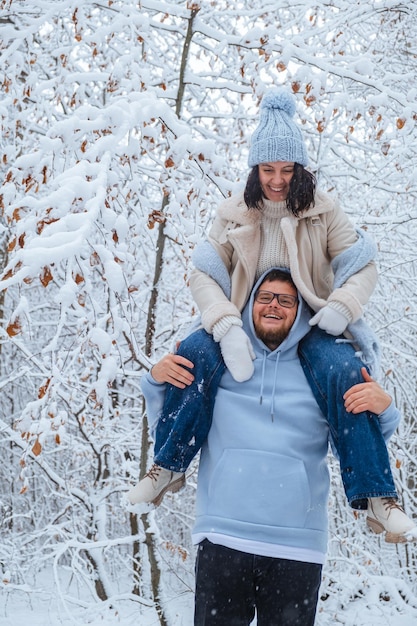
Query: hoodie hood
x=299, y=329
x=286, y=351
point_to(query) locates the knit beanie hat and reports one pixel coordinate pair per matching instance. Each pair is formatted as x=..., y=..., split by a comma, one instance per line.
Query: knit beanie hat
x=277, y=137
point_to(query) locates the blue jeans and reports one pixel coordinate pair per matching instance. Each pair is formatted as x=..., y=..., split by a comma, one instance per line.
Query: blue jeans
x=331, y=368
x=187, y=413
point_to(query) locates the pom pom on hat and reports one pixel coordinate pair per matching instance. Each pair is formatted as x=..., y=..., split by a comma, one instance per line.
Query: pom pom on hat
x=279, y=99
x=277, y=137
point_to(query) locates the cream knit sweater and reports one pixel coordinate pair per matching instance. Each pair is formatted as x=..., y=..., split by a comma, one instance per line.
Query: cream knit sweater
x=273, y=250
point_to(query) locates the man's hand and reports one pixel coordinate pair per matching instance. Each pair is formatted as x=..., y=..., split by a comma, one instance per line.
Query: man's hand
x=171, y=369
x=367, y=396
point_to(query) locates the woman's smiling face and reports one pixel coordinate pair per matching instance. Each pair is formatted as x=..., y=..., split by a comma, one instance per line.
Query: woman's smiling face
x=275, y=179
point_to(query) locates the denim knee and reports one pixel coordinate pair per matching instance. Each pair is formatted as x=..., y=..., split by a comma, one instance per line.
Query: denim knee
x=330, y=361
x=195, y=344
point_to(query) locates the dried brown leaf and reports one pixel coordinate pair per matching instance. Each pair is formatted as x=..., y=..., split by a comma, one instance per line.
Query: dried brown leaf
x=37, y=448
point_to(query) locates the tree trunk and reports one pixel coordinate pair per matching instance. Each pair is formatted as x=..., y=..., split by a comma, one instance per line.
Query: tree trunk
x=150, y=332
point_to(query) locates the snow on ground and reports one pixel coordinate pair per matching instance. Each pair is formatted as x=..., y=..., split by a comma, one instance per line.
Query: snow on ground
x=41, y=607
x=38, y=613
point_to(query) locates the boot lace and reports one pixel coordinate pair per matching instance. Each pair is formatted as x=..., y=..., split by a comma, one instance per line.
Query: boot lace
x=391, y=503
x=154, y=472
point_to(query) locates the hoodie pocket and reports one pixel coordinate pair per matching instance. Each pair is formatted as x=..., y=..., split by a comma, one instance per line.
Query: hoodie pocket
x=260, y=488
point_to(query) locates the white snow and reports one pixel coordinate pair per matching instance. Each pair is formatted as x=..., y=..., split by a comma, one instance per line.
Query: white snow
x=91, y=141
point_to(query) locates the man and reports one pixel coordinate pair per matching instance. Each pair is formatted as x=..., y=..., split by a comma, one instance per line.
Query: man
x=261, y=510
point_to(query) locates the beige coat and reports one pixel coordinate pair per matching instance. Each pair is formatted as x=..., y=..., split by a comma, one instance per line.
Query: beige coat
x=313, y=240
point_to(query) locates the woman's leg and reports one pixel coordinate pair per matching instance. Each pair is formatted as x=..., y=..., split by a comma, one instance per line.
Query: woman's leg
x=187, y=413
x=185, y=421
x=331, y=368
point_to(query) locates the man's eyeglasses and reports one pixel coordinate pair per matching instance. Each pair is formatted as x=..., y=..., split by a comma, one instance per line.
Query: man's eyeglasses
x=285, y=300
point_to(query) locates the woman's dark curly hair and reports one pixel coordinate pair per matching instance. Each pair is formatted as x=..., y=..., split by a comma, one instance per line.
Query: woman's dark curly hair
x=300, y=196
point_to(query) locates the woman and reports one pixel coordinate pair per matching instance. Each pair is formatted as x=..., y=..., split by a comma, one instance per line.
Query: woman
x=280, y=220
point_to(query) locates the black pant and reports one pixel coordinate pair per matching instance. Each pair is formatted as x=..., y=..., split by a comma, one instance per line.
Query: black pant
x=231, y=584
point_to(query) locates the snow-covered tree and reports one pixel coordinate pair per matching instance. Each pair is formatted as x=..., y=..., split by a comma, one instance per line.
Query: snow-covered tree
x=123, y=125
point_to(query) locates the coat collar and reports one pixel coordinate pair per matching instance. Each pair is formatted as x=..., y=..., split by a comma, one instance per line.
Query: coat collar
x=234, y=209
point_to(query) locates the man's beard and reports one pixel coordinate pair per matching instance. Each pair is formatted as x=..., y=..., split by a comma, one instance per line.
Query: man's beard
x=272, y=338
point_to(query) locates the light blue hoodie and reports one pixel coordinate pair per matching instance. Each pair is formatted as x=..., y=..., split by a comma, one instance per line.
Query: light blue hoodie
x=263, y=480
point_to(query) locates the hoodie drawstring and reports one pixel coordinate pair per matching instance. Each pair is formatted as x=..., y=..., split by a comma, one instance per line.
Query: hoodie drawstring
x=261, y=392
x=274, y=386
x=262, y=378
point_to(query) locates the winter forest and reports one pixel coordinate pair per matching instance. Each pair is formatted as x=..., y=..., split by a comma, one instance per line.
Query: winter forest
x=124, y=124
